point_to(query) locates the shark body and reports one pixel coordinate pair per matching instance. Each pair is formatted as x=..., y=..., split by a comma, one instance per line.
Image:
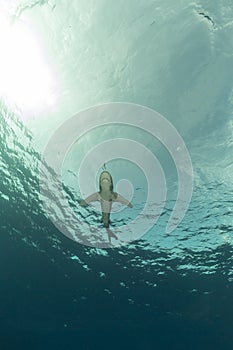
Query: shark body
x=106, y=196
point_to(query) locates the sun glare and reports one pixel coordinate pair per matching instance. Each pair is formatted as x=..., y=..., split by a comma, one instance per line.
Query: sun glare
x=25, y=78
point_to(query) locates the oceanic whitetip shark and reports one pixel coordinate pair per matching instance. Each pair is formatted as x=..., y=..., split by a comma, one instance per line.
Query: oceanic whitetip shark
x=106, y=197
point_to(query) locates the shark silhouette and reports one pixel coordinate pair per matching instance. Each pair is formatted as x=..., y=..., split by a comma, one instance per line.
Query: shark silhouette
x=106, y=197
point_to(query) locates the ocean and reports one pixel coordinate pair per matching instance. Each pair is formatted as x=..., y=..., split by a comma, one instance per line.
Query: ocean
x=142, y=89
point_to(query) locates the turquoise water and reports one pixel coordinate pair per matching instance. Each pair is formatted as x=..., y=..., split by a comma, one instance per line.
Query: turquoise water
x=161, y=290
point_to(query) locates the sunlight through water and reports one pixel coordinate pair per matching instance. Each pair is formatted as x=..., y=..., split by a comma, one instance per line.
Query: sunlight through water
x=26, y=80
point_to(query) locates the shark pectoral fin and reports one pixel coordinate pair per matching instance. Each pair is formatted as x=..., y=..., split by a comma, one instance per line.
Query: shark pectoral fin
x=120, y=199
x=83, y=203
x=92, y=198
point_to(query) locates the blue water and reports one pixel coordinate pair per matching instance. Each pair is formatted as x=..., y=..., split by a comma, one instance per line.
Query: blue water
x=163, y=290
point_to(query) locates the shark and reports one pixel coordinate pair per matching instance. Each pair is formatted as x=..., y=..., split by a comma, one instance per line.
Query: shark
x=106, y=196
